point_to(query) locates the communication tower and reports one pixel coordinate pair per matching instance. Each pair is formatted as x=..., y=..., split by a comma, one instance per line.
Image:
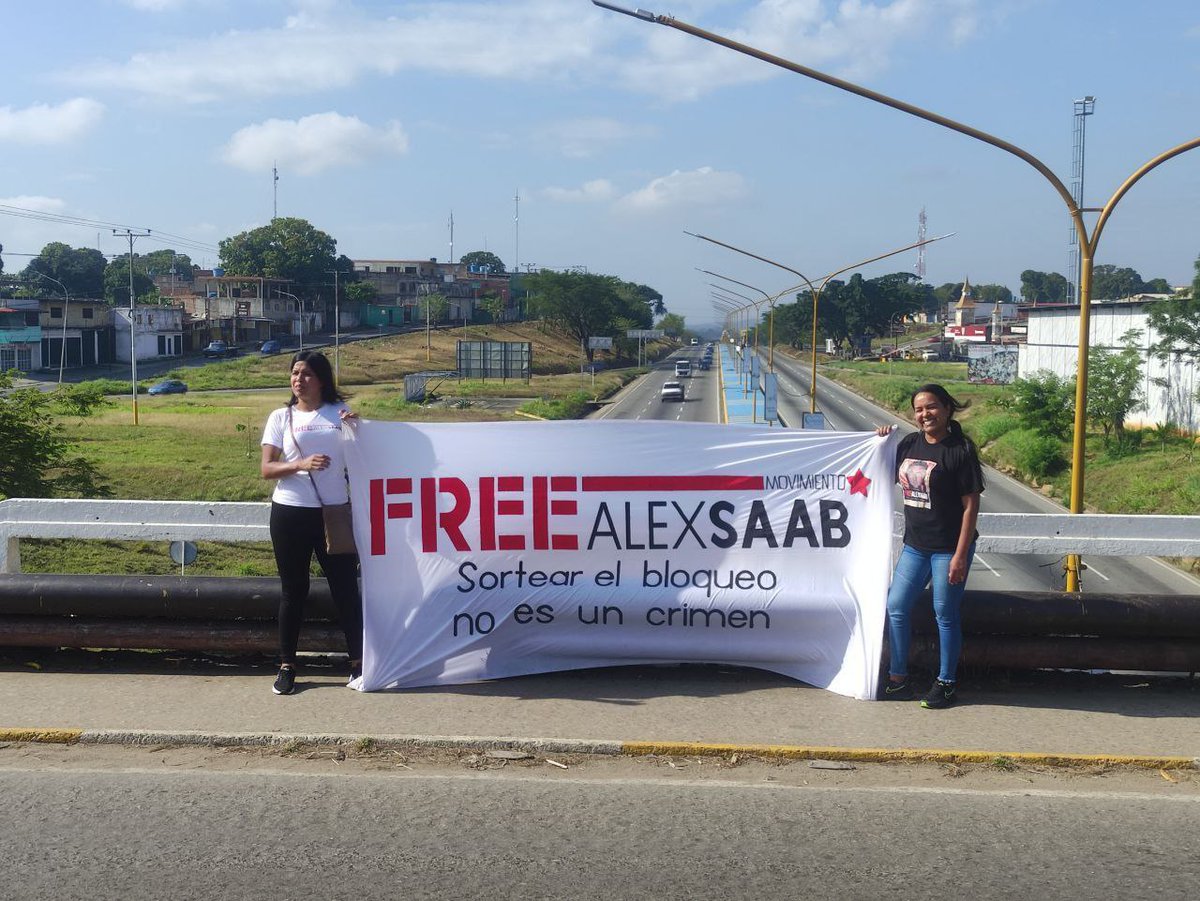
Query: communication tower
x=920, y=267
x=1083, y=109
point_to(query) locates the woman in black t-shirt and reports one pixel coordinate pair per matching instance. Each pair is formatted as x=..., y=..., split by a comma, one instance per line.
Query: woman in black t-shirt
x=940, y=478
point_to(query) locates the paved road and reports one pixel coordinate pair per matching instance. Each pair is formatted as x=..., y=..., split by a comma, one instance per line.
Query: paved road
x=171, y=826
x=641, y=400
x=1117, y=575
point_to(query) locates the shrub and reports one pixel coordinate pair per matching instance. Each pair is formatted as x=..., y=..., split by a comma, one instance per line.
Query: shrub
x=573, y=406
x=1033, y=453
x=986, y=429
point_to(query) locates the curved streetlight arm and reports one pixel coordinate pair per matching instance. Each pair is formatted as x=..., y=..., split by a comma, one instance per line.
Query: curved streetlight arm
x=1087, y=245
x=851, y=87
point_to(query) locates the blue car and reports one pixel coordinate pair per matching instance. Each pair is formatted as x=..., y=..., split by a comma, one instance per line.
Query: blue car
x=271, y=347
x=169, y=386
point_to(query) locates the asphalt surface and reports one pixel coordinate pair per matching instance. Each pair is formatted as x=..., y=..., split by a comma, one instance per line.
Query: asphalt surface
x=1050, y=717
x=125, y=696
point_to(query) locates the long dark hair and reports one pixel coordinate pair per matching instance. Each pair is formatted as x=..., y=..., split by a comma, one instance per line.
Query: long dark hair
x=953, y=405
x=319, y=364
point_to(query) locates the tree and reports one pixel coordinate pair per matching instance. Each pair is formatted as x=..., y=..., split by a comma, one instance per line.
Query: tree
x=1045, y=402
x=363, y=292
x=992, y=293
x=1115, y=387
x=582, y=304
x=672, y=324
x=1176, y=321
x=288, y=248
x=1043, y=287
x=36, y=459
x=1157, y=286
x=80, y=270
x=433, y=307
x=116, y=282
x=1111, y=283
x=494, y=305
x=484, y=261
x=161, y=262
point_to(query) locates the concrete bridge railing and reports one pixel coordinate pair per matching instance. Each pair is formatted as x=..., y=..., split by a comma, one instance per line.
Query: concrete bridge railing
x=124, y=520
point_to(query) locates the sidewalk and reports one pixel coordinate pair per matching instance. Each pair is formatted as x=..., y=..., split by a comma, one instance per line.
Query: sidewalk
x=689, y=709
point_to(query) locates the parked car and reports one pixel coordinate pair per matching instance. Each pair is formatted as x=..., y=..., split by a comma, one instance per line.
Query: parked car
x=217, y=349
x=271, y=347
x=683, y=368
x=672, y=391
x=168, y=386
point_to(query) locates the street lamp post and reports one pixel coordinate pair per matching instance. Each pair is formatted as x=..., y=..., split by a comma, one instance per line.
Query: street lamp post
x=1087, y=243
x=816, y=290
x=62, y=351
x=337, y=325
x=300, y=310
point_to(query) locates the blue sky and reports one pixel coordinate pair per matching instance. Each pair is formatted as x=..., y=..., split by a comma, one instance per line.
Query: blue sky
x=384, y=118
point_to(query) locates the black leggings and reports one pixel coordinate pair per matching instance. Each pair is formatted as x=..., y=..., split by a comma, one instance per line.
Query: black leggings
x=296, y=532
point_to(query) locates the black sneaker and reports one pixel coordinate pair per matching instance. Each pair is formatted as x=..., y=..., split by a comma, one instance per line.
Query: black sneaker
x=897, y=691
x=942, y=695
x=285, y=682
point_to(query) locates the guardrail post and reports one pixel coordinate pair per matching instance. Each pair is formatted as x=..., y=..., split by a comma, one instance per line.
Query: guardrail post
x=10, y=554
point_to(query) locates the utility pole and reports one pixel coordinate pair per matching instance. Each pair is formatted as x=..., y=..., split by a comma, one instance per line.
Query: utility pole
x=131, y=235
x=337, y=322
x=516, y=231
x=274, y=192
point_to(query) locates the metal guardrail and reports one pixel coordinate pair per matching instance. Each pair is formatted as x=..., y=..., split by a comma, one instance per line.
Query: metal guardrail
x=1096, y=534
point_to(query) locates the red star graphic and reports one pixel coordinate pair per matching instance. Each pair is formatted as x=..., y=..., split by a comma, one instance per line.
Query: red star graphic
x=859, y=483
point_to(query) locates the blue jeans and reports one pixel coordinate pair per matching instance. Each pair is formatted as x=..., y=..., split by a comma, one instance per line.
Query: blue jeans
x=914, y=570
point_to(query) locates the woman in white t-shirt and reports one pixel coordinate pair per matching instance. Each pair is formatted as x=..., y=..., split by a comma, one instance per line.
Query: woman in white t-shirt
x=302, y=450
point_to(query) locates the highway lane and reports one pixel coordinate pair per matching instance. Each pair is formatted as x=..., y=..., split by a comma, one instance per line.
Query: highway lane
x=189, y=828
x=845, y=410
x=641, y=399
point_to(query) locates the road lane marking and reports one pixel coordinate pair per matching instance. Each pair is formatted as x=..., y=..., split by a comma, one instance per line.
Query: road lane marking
x=990, y=569
x=1092, y=569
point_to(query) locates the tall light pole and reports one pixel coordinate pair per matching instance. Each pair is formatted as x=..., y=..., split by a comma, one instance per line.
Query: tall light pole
x=337, y=324
x=131, y=235
x=300, y=310
x=1087, y=243
x=815, y=290
x=767, y=299
x=62, y=351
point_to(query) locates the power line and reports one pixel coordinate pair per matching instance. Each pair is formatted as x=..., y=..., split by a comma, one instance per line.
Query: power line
x=82, y=222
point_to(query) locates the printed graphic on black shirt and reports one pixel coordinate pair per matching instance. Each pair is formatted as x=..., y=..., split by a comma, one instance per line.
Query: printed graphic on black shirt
x=915, y=476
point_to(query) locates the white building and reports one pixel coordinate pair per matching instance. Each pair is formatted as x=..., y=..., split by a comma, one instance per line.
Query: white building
x=159, y=332
x=1169, y=386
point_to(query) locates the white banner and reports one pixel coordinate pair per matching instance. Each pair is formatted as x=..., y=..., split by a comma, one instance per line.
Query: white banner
x=501, y=549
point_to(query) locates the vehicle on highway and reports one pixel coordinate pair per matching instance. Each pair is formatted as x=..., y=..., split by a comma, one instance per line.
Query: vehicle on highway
x=270, y=347
x=930, y=355
x=683, y=368
x=706, y=364
x=168, y=386
x=695, y=341
x=672, y=391
x=218, y=349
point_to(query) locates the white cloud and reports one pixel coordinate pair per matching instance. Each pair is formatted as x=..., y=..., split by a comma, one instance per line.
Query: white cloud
x=582, y=138
x=35, y=202
x=323, y=47
x=854, y=38
x=312, y=144
x=46, y=124
x=594, y=191
x=700, y=187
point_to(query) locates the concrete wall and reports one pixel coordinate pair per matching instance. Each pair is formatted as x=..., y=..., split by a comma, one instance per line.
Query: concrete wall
x=1168, y=386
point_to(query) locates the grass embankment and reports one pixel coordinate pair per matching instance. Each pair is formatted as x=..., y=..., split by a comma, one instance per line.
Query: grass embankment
x=1160, y=475
x=204, y=445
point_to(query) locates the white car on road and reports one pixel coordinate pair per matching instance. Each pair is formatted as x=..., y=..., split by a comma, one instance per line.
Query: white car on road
x=672, y=390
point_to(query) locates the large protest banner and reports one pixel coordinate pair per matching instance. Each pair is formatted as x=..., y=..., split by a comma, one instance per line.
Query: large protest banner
x=501, y=549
